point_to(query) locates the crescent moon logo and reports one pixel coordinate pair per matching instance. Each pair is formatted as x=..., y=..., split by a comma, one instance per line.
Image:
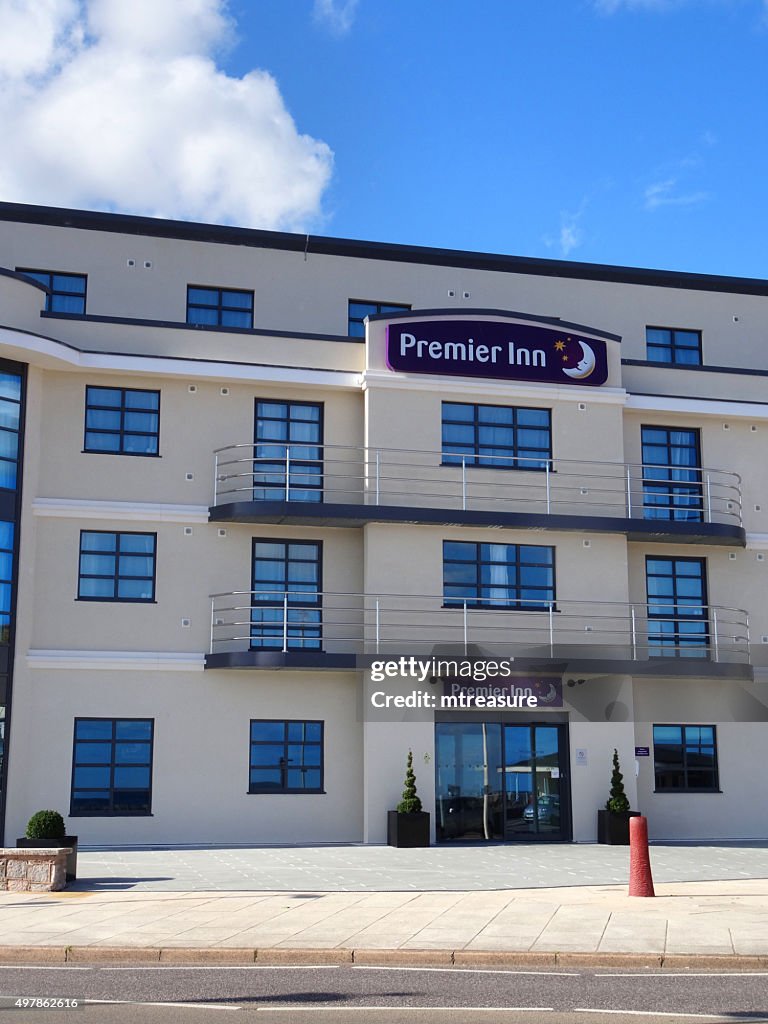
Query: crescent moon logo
x=585, y=366
x=549, y=696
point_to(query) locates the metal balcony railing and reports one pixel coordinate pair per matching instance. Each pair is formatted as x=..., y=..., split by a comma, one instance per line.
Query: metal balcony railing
x=434, y=479
x=393, y=624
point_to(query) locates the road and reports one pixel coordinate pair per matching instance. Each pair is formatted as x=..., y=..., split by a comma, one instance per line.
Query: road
x=130, y=994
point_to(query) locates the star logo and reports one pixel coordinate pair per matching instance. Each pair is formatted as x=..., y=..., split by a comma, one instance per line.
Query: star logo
x=559, y=346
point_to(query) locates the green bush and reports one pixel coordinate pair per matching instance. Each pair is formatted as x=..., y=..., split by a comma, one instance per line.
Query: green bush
x=46, y=825
x=617, y=801
x=411, y=802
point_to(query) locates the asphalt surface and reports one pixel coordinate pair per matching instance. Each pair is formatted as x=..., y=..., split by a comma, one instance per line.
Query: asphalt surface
x=418, y=995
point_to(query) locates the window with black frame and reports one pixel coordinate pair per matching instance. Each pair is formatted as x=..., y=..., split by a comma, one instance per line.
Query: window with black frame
x=512, y=576
x=66, y=292
x=359, y=309
x=286, y=599
x=286, y=757
x=117, y=566
x=685, y=758
x=10, y=426
x=219, y=307
x=672, y=484
x=673, y=345
x=678, y=616
x=112, y=766
x=288, y=443
x=496, y=436
x=122, y=421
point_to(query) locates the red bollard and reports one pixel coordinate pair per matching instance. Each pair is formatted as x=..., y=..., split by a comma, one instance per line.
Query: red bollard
x=640, y=878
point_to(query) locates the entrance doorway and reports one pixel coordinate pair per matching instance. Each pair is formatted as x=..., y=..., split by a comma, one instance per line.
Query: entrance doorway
x=500, y=781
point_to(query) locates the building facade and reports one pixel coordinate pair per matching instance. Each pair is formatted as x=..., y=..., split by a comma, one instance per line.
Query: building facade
x=244, y=473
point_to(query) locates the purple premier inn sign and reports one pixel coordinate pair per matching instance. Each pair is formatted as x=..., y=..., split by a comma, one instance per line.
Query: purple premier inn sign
x=496, y=349
x=548, y=690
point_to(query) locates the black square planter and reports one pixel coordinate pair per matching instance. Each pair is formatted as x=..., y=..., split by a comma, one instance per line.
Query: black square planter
x=407, y=830
x=51, y=844
x=613, y=827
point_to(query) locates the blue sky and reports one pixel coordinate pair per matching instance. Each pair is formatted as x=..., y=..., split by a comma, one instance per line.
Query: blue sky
x=613, y=131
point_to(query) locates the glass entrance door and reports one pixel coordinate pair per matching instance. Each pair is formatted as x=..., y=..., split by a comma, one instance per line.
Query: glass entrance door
x=497, y=781
x=534, y=776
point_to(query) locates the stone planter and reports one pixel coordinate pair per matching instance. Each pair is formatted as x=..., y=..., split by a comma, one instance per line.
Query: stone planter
x=37, y=844
x=38, y=869
x=407, y=830
x=613, y=827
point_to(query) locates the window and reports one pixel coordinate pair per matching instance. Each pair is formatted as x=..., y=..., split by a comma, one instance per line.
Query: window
x=498, y=575
x=288, y=432
x=685, y=758
x=671, y=474
x=359, y=310
x=6, y=578
x=10, y=424
x=678, y=624
x=219, y=307
x=112, y=766
x=117, y=566
x=122, y=421
x=286, y=599
x=286, y=757
x=496, y=436
x=66, y=292
x=669, y=345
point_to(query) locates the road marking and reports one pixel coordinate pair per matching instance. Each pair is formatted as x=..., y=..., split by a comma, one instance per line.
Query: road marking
x=468, y=970
x=692, y=974
x=665, y=1013
x=136, y=1002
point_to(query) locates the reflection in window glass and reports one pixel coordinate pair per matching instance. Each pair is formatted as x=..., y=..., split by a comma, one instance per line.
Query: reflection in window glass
x=286, y=757
x=110, y=777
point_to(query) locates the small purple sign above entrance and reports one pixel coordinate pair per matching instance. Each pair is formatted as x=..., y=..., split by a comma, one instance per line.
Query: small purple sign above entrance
x=548, y=690
x=496, y=349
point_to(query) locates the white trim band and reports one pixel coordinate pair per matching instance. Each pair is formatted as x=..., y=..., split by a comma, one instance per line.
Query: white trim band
x=137, y=661
x=698, y=406
x=485, y=386
x=78, y=508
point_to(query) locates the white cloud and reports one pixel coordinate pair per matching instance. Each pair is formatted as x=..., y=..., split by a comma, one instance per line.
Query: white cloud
x=571, y=235
x=338, y=15
x=662, y=193
x=120, y=105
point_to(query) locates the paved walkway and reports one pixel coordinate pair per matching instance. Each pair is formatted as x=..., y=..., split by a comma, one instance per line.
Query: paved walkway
x=384, y=869
x=705, y=918
x=373, y=902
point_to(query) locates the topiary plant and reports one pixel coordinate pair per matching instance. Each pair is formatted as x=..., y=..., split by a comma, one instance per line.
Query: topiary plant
x=411, y=802
x=617, y=801
x=46, y=825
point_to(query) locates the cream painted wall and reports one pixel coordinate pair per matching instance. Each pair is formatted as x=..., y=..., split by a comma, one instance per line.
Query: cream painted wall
x=189, y=569
x=201, y=750
x=740, y=713
x=315, y=289
x=192, y=425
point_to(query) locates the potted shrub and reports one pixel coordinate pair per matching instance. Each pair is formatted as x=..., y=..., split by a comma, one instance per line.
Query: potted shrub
x=46, y=828
x=408, y=826
x=613, y=822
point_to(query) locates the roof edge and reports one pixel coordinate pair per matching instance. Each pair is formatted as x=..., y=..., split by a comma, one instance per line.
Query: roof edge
x=326, y=245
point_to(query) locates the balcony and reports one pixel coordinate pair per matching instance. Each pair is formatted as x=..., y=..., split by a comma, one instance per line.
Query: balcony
x=336, y=485
x=312, y=629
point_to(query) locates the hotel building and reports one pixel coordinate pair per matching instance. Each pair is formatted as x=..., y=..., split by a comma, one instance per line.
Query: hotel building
x=241, y=469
